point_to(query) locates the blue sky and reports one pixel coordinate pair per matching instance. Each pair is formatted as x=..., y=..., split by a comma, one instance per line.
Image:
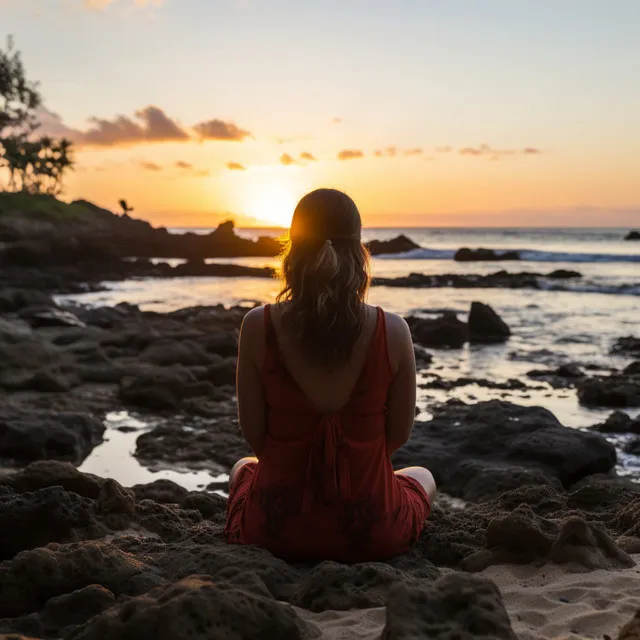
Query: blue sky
x=560, y=77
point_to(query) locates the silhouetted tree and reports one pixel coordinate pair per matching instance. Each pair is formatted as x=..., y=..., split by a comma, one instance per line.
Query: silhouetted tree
x=35, y=165
x=126, y=209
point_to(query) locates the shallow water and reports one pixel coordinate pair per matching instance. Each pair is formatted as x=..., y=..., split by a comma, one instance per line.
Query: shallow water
x=578, y=323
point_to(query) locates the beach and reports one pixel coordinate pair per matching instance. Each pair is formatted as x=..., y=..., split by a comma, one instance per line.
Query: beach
x=118, y=428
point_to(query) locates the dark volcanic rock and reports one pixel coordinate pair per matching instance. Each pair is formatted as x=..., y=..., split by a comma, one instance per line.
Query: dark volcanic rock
x=633, y=447
x=632, y=369
x=619, y=422
x=399, y=244
x=13, y=300
x=196, y=608
x=485, y=325
x=564, y=274
x=628, y=346
x=26, y=436
x=51, y=473
x=49, y=317
x=218, y=443
x=633, y=235
x=463, y=442
x=610, y=391
x=445, y=331
x=475, y=255
x=30, y=520
x=457, y=605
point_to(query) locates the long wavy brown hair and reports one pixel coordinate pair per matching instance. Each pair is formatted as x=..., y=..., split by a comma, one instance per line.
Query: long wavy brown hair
x=325, y=273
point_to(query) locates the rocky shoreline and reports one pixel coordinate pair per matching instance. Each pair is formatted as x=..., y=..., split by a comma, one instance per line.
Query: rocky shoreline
x=84, y=556
x=533, y=490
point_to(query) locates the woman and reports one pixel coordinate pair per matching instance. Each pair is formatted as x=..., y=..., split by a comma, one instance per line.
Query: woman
x=326, y=393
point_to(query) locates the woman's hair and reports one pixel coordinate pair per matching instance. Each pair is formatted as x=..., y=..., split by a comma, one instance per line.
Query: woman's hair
x=326, y=277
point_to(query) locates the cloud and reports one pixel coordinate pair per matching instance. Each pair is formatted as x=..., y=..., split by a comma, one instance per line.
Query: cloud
x=336, y=121
x=389, y=152
x=305, y=155
x=286, y=159
x=350, y=154
x=183, y=165
x=412, y=152
x=220, y=130
x=147, y=125
x=444, y=149
x=496, y=154
x=150, y=166
x=236, y=166
x=103, y=4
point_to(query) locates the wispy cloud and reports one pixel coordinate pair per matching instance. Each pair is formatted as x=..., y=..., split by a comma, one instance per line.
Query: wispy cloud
x=309, y=157
x=350, y=154
x=147, y=125
x=412, y=152
x=103, y=4
x=150, y=166
x=181, y=164
x=389, y=152
x=236, y=166
x=336, y=120
x=444, y=149
x=496, y=154
x=220, y=130
x=286, y=159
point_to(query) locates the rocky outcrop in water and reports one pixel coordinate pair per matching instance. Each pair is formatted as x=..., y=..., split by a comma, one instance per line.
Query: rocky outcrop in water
x=399, y=244
x=485, y=325
x=633, y=235
x=483, y=255
x=616, y=390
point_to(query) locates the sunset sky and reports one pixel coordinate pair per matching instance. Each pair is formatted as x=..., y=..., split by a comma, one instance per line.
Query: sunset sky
x=427, y=112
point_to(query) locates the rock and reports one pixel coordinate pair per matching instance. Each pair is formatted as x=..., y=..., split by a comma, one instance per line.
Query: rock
x=399, y=244
x=30, y=520
x=628, y=346
x=445, y=331
x=457, y=605
x=422, y=356
x=43, y=380
x=463, y=442
x=49, y=317
x=163, y=491
x=62, y=614
x=610, y=391
x=26, y=436
x=563, y=274
x=485, y=325
x=160, y=389
x=475, y=255
x=494, y=482
x=216, y=446
x=13, y=300
x=50, y=473
x=116, y=506
x=193, y=608
x=171, y=352
x=631, y=630
x=619, y=422
x=633, y=447
x=632, y=369
x=633, y=235
x=562, y=377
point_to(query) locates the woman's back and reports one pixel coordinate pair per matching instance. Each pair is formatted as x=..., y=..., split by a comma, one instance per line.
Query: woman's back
x=326, y=392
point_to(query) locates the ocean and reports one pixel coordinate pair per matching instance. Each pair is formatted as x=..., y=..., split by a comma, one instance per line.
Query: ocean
x=569, y=321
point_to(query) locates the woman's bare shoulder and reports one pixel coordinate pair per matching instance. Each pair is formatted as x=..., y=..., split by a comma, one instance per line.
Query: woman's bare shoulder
x=397, y=327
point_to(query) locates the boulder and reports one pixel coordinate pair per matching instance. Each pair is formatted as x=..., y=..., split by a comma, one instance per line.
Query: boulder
x=444, y=331
x=457, y=605
x=399, y=244
x=485, y=325
x=610, y=391
x=633, y=447
x=632, y=369
x=564, y=274
x=463, y=442
x=633, y=235
x=50, y=317
x=627, y=346
x=482, y=255
x=619, y=422
x=28, y=435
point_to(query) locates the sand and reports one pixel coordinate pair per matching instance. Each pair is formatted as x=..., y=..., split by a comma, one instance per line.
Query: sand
x=549, y=602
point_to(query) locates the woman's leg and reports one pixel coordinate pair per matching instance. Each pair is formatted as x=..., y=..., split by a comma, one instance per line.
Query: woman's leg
x=423, y=476
x=237, y=466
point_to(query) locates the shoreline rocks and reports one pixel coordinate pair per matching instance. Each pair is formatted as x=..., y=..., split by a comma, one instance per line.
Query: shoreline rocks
x=483, y=255
x=633, y=235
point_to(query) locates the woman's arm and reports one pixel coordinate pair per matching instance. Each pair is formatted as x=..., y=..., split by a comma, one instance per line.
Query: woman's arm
x=401, y=397
x=252, y=408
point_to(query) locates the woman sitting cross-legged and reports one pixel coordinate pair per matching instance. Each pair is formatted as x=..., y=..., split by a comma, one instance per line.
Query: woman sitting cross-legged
x=326, y=393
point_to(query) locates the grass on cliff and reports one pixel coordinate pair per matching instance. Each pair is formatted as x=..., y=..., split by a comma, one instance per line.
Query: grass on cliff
x=44, y=207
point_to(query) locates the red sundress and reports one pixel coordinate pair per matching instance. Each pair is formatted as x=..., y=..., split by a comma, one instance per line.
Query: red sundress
x=324, y=486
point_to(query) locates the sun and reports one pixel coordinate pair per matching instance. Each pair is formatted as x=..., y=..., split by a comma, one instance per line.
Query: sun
x=272, y=203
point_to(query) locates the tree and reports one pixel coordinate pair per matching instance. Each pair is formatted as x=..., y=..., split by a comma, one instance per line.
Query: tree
x=19, y=98
x=126, y=209
x=34, y=165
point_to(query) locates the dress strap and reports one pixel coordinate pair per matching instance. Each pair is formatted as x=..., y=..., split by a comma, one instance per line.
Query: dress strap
x=269, y=329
